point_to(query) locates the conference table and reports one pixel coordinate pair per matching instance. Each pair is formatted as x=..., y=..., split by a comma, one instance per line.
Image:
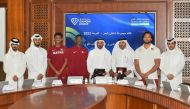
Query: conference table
x=93, y=96
x=64, y=98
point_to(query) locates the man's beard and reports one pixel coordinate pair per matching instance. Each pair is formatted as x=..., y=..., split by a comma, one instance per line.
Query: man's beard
x=122, y=48
x=14, y=49
x=171, y=48
x=100, y=48
x=37, y=45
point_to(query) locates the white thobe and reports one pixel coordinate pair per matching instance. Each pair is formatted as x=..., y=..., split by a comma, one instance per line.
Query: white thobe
x=172, y=62
x=123, y=58
x=14, y=64
x=98, y=59
x=36, y=62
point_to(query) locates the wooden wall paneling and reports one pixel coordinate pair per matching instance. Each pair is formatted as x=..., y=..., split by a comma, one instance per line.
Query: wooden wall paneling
x=78, y=1
x=101, y=1
x=181, y=27
x=3, y=3
x=15, y=22
x=169, y=18
x=41, y=20
x=2, y=74
x=27, y=26
x=58, y=19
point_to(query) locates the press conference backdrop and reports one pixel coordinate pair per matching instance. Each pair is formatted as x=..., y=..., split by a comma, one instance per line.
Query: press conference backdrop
x=110, y=27
x=2, y=32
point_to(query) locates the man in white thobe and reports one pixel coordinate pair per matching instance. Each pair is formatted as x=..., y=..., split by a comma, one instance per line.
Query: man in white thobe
x=99, y=58
x=14, y=64
x=123, y=58
x=36, y=58
x=172, y=64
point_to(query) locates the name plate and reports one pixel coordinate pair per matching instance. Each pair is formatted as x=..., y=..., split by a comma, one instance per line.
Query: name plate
x=167, y=85
x=151, y=86
x=37, y=84
x=139, y=84
x=57, y=83
x=103, y=80
x=9, y=88
x=122, y=82
x=185, y=89
x=75, y=80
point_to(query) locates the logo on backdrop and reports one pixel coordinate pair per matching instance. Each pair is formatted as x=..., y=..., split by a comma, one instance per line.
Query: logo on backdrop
x=81, y=21
x=74, y=21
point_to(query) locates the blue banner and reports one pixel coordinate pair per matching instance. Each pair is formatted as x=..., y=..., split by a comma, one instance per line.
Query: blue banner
x=110, y=27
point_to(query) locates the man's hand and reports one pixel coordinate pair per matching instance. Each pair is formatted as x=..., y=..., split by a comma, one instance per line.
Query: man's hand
x=144, y=75
x=58, y=73
x=112, y=74
x=170, y=76
x=116, y=75
x=15, y=78
x=40, y=76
